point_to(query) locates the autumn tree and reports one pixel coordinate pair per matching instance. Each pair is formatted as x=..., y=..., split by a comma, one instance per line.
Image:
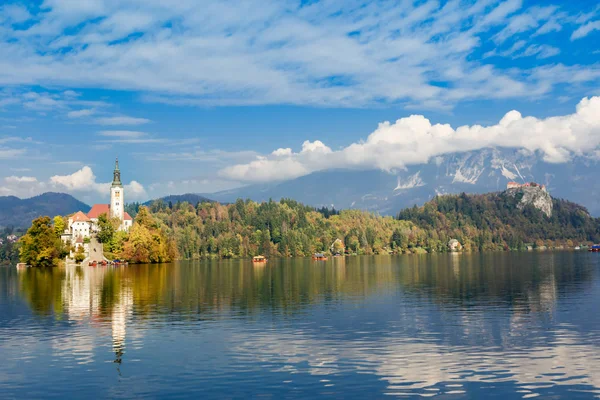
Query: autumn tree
x=39, y=246
x=59, y=225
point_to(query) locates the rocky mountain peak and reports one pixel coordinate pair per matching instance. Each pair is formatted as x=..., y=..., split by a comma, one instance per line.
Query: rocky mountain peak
x=533, y=194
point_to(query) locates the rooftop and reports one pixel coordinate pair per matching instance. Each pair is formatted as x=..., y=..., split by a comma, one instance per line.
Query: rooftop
x=80, y=217
x=99, y=209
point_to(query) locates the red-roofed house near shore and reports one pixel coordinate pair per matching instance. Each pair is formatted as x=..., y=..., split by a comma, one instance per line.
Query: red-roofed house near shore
x=83, y=225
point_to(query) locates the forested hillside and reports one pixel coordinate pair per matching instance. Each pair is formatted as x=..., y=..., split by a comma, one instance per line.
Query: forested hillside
x=494, y=221
x=283, y=228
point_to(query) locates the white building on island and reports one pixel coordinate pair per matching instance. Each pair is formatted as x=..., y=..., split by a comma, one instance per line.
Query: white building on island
x=81, y=225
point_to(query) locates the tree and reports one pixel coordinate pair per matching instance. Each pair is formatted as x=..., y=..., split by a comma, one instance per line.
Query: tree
x=39, y=246
x=79, y=255
x=338, y=247
x=59, y=225
x=106, y=230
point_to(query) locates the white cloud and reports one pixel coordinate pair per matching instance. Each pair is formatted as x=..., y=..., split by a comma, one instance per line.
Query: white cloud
x=123, y=134
x=20, y=179
x=122, y=120
x=81, y=183
x=247, y=52
x=551, y=26
x=214, y=157
x=7, y=153
x=134, y=191
x=585, y=30
x=81, y=113
x=414, y=140
x=82, y=180
x=541, y=51
x=14, y=14
x=137, y=137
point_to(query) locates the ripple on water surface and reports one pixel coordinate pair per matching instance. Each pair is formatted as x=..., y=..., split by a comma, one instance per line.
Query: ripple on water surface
x=474, y=326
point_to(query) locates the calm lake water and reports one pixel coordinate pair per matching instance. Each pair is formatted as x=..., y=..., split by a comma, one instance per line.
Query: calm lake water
x=451, y=326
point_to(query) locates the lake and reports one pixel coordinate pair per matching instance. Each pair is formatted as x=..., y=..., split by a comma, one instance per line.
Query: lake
x=504, y=325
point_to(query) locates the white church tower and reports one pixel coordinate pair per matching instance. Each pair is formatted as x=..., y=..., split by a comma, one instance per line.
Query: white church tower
x=117, y=200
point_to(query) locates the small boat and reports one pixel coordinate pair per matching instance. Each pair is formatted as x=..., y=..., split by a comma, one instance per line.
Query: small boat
x=319, y=257
x=103, y=263
x=23, y=266
x=595, y=248
x=259, y=259
x=119, y=263
x=93, y=263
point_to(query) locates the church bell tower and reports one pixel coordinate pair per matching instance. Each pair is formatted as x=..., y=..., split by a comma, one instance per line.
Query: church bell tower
x=117, y=200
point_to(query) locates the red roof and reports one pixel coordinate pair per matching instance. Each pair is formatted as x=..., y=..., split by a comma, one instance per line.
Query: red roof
x=80, y=217
x=99, y=209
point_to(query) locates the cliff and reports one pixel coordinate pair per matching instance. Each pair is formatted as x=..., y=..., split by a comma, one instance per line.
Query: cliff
x=532, y=195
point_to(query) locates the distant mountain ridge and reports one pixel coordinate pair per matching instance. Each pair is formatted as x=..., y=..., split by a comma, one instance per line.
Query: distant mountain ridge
x=20, y=212
x=481, y=171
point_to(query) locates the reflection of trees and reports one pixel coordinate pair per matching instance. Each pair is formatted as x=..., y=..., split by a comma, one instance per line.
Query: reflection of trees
x=532, y=279
x=282, y=285
x=42, y=287
x=290, y=284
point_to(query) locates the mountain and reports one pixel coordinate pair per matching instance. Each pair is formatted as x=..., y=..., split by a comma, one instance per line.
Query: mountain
x=20, y=212
x=180, y=198
x=486, y=170
x=509, y=219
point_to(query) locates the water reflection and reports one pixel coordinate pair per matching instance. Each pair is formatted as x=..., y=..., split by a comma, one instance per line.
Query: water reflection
x=511, y=324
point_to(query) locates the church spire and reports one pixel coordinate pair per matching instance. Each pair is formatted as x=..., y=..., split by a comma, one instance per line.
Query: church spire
x=117, y=175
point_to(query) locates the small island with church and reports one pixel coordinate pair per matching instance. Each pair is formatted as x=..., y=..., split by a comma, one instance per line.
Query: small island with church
x=81, y=233
x=107, y=232
x=82, y=228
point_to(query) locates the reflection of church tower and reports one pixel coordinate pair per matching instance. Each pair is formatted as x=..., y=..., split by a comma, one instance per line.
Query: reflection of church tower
x=120, y=313
x=117, y=200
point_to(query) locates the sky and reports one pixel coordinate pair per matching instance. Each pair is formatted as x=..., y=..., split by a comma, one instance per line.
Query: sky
x=197, y=97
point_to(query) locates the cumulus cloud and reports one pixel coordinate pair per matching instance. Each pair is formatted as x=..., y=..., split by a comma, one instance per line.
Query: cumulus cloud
x=82, y=180
x=415, y=140
x=81, y=183
x=135, y=190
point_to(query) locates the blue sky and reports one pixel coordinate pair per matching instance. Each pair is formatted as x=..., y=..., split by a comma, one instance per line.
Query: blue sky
x=200, y=98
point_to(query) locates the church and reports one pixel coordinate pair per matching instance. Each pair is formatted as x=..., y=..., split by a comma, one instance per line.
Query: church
x=82, y=225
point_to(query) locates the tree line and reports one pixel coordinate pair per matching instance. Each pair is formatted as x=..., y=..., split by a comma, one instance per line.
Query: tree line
x=163, y=232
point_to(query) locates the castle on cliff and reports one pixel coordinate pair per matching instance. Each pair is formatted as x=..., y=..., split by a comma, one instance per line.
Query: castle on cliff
x=516, y=185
